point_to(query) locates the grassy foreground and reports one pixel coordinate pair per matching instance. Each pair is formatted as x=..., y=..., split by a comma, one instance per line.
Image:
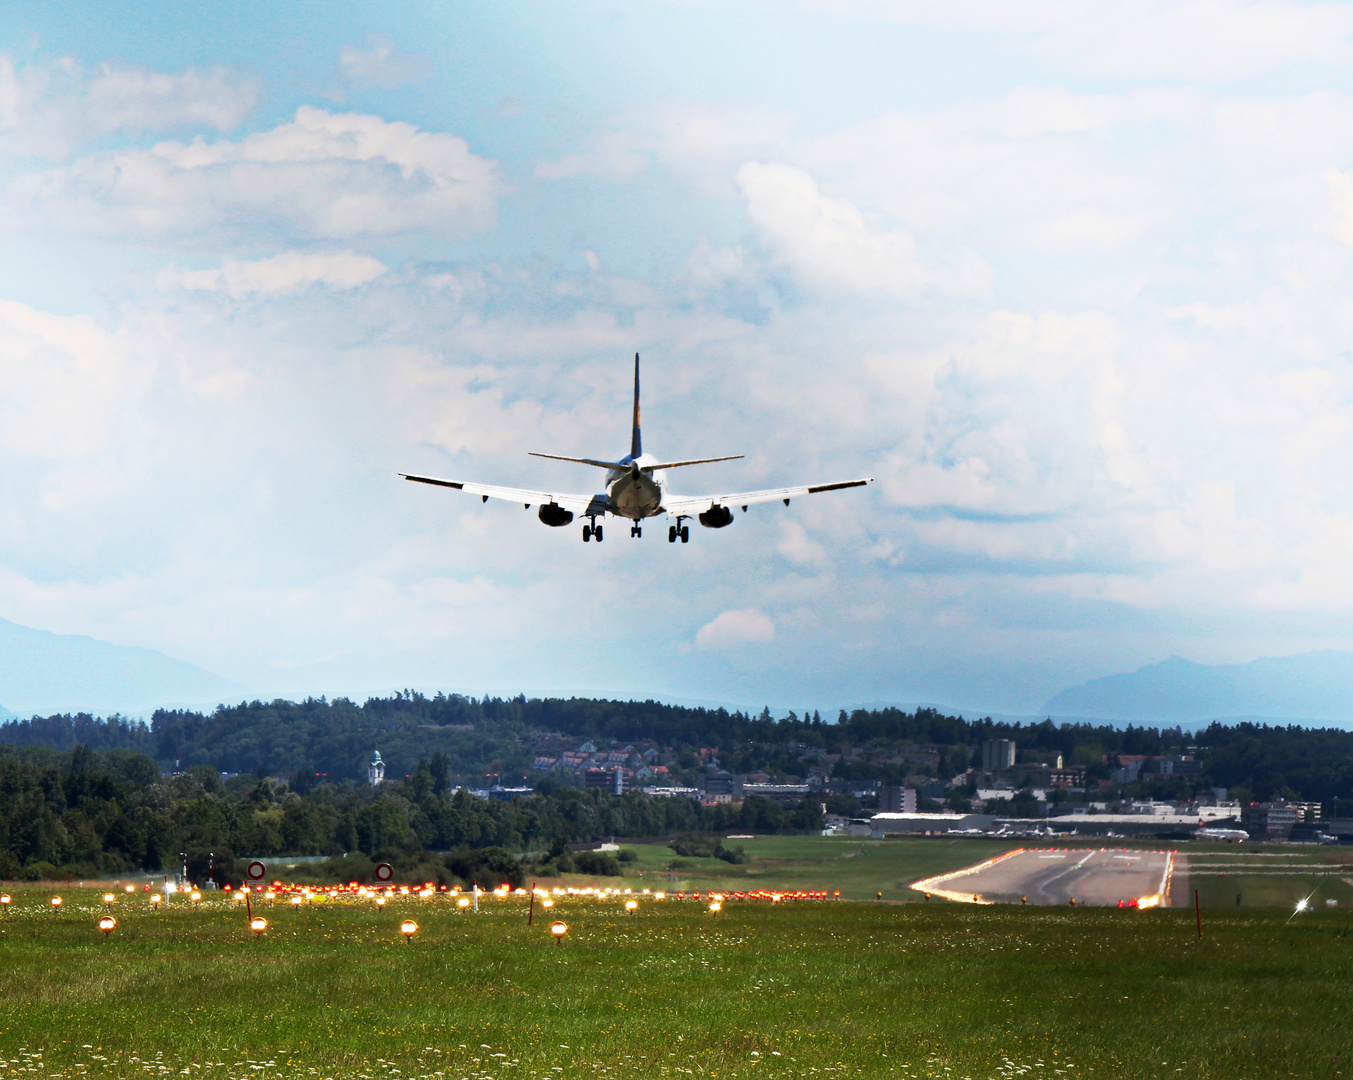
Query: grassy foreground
x=809, y=988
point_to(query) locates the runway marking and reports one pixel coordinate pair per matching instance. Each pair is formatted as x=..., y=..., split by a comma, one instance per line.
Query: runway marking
x=931, y=884
x=1052, y=856
x=1130, y=858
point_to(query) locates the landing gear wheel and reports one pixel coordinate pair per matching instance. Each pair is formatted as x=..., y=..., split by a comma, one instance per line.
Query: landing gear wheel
x=596, y=531
x=685, y=533
x=671, y=534
x=635, y=530
x=587, y=533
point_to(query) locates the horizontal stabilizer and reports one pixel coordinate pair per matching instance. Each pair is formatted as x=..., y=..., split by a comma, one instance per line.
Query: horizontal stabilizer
x=617, y=465
x=692, y=461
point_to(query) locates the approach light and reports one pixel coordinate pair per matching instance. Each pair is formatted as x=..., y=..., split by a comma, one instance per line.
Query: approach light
x=154, y=899
x=131, y=888
x=258, y=925
x=462, y=903
x=195, y=896
x=56, y=903
x=380, y=901
x=108, y=898
x=631, y=905
x=547, y=903
x=716, y=907
x=408, y=928
x=5, y=901
x=1302, y=905
x=558, y=929
x=296, y=900
x=107, y=924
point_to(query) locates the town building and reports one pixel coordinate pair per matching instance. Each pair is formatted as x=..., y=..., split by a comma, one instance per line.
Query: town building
x=897, y=800
x=997, y=754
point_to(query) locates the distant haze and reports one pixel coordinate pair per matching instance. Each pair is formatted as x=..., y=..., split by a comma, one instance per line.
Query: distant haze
x=1310, y=686
x=49, y=673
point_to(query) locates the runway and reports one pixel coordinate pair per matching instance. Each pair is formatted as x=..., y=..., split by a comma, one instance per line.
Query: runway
x=1093, y=877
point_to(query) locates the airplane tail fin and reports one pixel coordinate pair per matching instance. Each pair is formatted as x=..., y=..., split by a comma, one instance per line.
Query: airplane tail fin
x=636, y=447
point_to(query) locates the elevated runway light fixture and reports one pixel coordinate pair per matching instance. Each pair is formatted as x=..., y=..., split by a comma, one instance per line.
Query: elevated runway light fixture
x=408, y=928
x=716, y=907
x=4, y=902
x=547, y=903
x=107, y=924
x=131, y=888
x=558, y=929
x=258, y=925
x=154, y=899
x=380, y=901
x=56, y=903
x=108, y=898
x=631, y=906
x=463, y=903
x=195, y=896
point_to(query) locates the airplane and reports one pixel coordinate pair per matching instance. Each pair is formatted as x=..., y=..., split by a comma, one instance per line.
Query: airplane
x=636, y=488
x=1206, y=832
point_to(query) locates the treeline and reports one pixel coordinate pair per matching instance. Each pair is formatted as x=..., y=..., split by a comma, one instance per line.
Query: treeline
x=91, y=813
x=333, y=740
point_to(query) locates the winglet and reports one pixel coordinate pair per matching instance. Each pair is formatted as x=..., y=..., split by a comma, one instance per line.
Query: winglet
x=636, y=447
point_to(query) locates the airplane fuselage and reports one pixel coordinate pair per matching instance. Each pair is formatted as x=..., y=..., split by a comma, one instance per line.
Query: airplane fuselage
x=635, y=493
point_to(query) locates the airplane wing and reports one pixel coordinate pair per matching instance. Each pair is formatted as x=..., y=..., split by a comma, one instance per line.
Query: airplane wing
x=579, y=504
x=687, y=505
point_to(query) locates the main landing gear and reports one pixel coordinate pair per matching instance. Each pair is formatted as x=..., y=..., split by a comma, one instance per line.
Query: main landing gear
x=592, y=530
x=683, y=531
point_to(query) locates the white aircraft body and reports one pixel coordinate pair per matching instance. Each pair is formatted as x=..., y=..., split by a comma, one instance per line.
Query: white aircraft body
x=636, y=488
x=1206, y=832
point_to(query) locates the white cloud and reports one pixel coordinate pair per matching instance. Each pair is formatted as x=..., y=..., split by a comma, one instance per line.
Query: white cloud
x=1187, y=39
x=701, y=142
x=284, y=273
x=45, y=109
x=739, y=627
x=379, y=65
x=322, y=175
x=828, y=242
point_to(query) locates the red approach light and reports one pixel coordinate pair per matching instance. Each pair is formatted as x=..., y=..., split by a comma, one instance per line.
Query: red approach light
x=696, y=895
x=681, y=896
x=226, y=889
x=443, y=888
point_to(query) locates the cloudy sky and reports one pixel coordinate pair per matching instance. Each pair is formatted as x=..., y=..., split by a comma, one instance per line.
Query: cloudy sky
x=1072, y=279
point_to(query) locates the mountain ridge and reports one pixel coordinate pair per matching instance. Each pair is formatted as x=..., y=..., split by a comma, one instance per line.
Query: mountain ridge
x=43, y=673
x=1310, y=687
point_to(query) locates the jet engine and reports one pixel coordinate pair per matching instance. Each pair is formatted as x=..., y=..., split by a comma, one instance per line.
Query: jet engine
x=716, y=517
x=554, y=515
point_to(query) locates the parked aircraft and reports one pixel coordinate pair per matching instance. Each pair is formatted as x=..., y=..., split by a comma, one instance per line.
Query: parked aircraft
x=636, y=488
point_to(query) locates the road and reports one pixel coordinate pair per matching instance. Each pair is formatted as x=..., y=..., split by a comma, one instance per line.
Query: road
x=1096, y=877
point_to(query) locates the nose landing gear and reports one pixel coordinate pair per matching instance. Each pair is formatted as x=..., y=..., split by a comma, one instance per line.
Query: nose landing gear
x=635, y=530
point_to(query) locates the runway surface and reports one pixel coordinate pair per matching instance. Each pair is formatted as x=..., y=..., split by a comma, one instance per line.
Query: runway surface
x=1095, y=877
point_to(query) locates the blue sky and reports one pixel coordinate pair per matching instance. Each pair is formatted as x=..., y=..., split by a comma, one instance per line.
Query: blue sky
x=1070, y=279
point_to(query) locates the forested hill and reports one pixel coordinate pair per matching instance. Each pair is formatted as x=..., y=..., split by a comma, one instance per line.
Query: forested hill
x=495, y=736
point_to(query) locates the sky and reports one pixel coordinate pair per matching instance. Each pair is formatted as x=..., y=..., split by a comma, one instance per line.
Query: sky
x=1071, y=279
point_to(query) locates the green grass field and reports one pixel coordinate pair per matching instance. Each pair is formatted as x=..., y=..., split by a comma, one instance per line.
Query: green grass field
x=805, y=989
x=859, y=869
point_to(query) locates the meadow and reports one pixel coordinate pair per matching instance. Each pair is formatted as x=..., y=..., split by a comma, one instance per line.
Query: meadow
x=793, y=989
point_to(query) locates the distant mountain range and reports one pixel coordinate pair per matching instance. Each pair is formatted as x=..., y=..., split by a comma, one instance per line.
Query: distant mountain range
x=45, y=673
x=1314, y=686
